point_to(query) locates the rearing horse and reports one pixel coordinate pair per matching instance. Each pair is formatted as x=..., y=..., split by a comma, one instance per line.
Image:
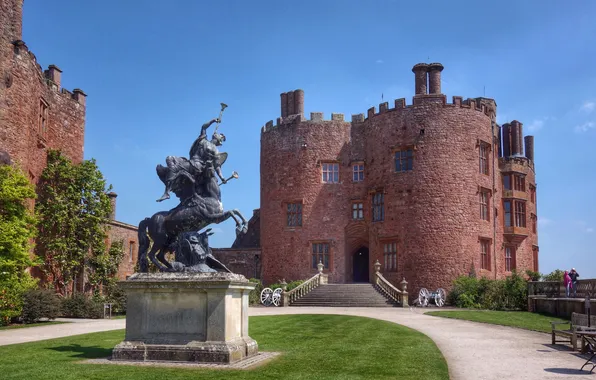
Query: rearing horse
x=194, y=213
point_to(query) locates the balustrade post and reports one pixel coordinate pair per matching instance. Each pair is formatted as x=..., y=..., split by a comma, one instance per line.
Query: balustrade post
x=404, y=293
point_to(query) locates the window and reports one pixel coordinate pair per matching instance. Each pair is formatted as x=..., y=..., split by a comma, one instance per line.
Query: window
x=390, y=256
x=320, y=253
x=404, y=160
x=131, y=251
x=515, y=182
x=294, y=214
x=358, y=172
x=330, y=173
x=534, y=223
x=532, y=194
x=378, y=207
x=42, y=126
x=509, y=258
x=483, y=155
x=515, y=213
x=507, y=182
x=519, y=183
x=484, y=254
x=357, y=210
x=484, y=206
x=520, y=214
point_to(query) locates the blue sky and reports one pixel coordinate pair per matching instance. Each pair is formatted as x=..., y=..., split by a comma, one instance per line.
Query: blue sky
x=154, y=71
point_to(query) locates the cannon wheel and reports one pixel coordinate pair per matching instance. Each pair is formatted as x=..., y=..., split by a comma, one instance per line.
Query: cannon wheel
x=267, y=296
x=423, y=297
x=277, y=296
x=440, y=297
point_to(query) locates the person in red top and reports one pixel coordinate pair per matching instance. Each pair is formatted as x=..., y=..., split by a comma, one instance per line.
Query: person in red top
x=567, y=283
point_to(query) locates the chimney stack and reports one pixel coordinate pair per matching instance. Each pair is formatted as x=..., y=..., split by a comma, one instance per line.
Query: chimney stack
x=506, y=140
x=434, y=78
x=420, y=77
x=299, y=102
x=113, y=196
x=284, y=105
x=517, y=142
x=54, y=74
x=529, y=140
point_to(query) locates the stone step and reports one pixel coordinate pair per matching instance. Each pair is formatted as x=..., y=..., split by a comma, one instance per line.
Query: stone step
x=345, y=295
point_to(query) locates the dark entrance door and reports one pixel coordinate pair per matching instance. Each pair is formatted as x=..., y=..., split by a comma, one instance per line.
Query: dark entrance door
x=361, y=265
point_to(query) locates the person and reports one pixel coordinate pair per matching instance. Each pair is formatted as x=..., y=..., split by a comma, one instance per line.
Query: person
x=203, y=155
x=567, y=283
x=574, y=276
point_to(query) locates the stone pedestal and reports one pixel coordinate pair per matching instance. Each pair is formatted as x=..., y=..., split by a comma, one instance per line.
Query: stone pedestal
x=187, y=317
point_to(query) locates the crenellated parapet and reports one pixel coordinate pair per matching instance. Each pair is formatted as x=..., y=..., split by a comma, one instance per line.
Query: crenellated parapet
x=51, y=77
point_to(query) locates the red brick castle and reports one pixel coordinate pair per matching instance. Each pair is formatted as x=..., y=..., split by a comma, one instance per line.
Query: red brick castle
x=431, y=190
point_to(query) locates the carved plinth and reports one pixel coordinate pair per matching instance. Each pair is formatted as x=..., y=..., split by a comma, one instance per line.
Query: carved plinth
x=188, y=317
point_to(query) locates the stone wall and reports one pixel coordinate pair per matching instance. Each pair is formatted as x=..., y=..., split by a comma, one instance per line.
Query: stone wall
x=244, y=261
x=36, y=114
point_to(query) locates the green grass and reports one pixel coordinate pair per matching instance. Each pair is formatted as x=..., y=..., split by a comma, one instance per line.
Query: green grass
x=312, y=346
x=22, y=325
x=520, y=319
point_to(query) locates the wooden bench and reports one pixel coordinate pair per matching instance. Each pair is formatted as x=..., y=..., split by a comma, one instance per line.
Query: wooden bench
x=579, y=322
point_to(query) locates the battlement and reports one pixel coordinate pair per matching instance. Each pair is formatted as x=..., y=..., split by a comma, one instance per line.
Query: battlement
x=52, y=76
x=292, y=102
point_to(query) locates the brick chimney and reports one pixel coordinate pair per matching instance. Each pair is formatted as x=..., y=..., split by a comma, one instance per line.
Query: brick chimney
x=420, y=77
x=113, y=196
x=434, y=78
x=529, y=140
x=54, y=74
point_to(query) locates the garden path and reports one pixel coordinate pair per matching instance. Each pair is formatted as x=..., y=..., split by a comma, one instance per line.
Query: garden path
x=472, y=350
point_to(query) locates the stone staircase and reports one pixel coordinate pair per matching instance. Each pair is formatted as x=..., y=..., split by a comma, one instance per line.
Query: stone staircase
x=345, y=295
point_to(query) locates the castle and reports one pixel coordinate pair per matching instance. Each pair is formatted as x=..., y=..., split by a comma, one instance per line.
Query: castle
x=37, y=114
x=431, y=190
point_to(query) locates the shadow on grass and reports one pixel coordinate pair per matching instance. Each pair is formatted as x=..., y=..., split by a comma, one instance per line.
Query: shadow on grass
x=85, y=352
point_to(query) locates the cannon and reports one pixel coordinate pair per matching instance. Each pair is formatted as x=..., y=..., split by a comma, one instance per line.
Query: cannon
x=271, y=297
x=439, y=297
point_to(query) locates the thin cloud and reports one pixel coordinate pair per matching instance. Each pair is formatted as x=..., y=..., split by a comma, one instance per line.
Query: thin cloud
x=535, y=126
x=588, y=107
x=585, y=127
x=589, y=230
x=544, y=222
x=380, y=61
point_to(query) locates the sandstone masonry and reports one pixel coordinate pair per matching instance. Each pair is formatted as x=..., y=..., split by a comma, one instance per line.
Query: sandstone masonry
x=431, y=190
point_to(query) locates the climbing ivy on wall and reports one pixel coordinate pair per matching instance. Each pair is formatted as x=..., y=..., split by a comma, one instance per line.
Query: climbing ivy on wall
x=73, y=207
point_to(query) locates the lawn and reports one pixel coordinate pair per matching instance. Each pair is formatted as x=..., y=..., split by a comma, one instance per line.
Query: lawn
x=22, y=325
x=520, y=319
x=312, y=346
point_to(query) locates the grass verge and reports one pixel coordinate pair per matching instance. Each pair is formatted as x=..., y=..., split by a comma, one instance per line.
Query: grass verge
x=22, y=325
x=521, y=319
x=312, y=346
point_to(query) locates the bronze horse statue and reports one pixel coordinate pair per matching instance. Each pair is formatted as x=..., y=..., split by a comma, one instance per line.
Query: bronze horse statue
x=200, y=206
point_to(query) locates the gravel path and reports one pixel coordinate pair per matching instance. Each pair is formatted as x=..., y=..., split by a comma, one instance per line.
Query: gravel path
x=473, y=350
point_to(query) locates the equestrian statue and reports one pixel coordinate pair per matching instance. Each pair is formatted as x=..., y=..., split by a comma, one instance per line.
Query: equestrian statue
x=195, y=182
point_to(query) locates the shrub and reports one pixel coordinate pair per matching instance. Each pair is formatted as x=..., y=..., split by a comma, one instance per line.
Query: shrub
x=12, y=289
x=40, y=303
x=294, y=284
x=556, y=275
x=81, y=306
x=534, y=276
x=254, y=297
x=510, y=293
x=117, y=297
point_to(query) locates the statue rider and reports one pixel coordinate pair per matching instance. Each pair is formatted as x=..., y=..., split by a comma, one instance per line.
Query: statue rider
x=203, y=156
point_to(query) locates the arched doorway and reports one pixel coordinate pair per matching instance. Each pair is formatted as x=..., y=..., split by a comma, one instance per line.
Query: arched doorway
x=360, y=267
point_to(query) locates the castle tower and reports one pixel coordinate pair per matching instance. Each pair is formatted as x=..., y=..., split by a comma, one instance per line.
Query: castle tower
x=406, y=185
x=11, y=20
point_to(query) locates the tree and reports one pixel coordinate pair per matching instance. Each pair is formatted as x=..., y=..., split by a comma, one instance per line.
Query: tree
x=103, y=267
x=556, y=275
x=73, y=208
x=17, y=228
